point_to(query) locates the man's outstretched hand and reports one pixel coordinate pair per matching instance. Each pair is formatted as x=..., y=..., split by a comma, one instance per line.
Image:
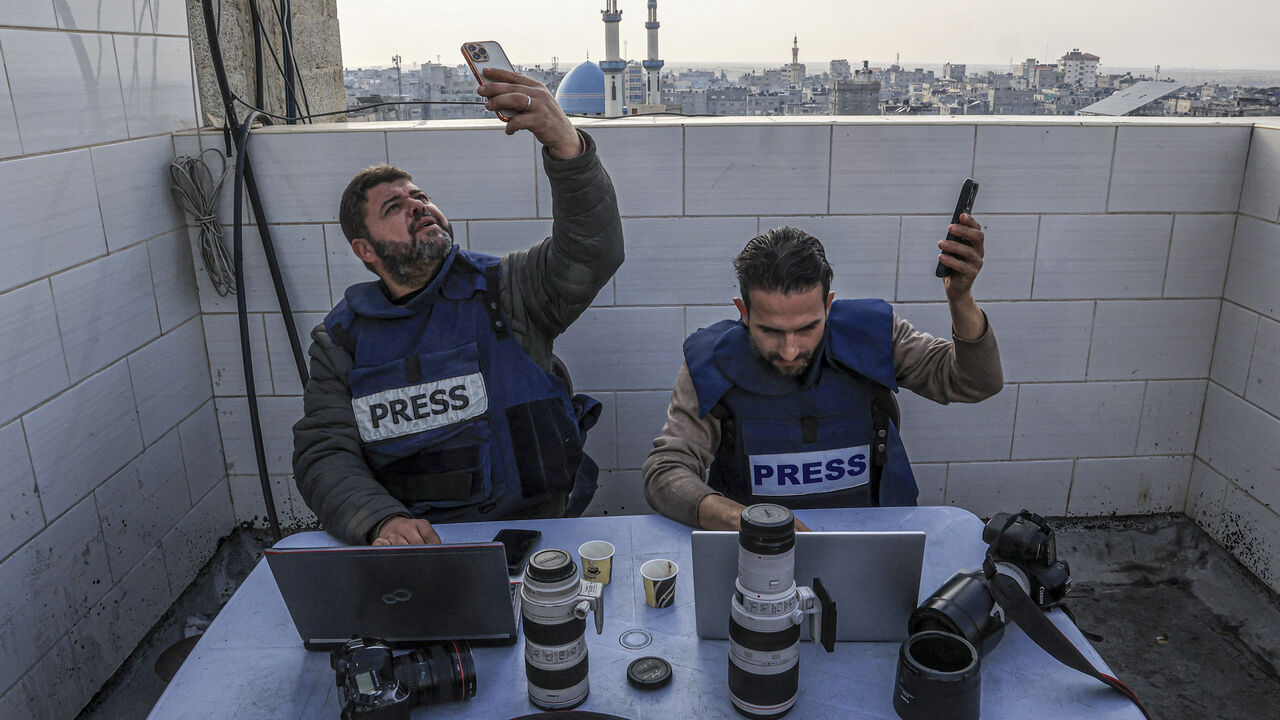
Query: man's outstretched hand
x=531, y=107
x=406, y=531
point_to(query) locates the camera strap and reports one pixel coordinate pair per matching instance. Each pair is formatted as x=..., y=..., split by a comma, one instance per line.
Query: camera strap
x=1023, y=611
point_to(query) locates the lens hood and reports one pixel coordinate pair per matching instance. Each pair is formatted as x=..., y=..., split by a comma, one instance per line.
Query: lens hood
x=939, y=676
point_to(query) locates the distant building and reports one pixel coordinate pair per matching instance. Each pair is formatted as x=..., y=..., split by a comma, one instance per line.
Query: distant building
x=840, y=70
x=1079, y=68
x=727, y=101
x=1008, y=101
x=954, y=72
x=860, y=96
x=634, y=84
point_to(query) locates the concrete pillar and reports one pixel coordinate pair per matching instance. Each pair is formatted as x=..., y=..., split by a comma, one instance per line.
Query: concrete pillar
x=317, y=50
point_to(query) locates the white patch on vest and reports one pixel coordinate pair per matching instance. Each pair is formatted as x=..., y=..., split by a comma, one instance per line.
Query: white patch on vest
x=408, y=410
x=806, y=473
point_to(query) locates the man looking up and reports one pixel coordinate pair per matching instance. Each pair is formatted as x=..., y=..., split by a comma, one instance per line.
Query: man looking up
x=793, y=403
x=432, y=395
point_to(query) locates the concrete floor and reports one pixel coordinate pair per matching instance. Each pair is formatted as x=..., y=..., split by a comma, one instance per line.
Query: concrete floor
x=1177, y=618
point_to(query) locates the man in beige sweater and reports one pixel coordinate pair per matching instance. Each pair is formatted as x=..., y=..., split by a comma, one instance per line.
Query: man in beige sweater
x=793, y=404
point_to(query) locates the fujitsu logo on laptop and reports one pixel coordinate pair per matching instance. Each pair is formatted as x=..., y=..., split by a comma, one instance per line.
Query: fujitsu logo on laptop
x=398, y=596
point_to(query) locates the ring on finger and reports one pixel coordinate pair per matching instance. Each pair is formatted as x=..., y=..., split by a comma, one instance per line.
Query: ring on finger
x=528, y=102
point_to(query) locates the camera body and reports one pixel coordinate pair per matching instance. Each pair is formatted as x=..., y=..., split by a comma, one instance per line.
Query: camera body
x=375, y=684
x=1021, y=546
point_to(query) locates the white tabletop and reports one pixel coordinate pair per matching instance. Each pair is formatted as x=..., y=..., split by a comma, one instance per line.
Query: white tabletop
x=251, y=663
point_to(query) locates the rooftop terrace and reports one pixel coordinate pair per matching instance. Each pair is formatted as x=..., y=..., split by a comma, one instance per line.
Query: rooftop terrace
x=1129, y=277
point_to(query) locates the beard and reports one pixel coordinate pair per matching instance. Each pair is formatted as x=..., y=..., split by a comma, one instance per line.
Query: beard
x=412, y=264
x=772, y=359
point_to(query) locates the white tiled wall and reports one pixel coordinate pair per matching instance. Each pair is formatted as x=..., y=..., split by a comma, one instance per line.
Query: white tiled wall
x=1117, y=287
x=1236, y=483
x=107, y=431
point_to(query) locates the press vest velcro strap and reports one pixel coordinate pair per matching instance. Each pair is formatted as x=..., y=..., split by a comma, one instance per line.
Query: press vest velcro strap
x=809, y=429
x=433, y=487
x=806, y=473
x=417, y=408
x=492, y=302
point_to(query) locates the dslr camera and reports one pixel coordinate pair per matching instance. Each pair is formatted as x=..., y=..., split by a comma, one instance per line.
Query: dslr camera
x=1021, y=546
x=375, y=684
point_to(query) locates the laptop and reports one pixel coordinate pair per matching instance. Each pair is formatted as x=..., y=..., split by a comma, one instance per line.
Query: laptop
x=873, y=577
x=406, y=595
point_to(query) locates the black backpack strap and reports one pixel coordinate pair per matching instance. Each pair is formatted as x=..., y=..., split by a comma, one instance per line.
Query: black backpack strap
x=492, y=302
x=884, y=410
x=728, y=428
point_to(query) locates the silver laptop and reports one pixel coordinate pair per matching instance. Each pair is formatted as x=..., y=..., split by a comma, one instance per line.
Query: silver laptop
x=873, y=577
x=403, y=595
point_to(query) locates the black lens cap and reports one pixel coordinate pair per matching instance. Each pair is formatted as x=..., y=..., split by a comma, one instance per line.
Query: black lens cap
x=649, y=673
x=551, y=566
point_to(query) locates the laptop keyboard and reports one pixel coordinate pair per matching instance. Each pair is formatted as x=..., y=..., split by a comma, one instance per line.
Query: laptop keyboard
x=515, y=601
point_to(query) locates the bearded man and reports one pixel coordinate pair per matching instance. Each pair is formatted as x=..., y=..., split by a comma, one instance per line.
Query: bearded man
x=434, y=395
x=793, y=402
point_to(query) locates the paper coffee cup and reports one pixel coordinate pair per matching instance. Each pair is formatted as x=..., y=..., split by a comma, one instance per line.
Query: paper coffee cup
x=597, y=561
x=659, y=582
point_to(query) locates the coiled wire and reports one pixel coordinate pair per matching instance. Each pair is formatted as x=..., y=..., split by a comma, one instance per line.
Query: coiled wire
x=196, y=190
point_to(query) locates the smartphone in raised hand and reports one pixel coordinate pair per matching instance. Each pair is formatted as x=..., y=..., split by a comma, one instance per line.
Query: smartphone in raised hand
x=481, y=54
x=968, y=192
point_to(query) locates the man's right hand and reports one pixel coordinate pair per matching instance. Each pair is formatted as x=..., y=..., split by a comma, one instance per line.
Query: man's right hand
x=406, y=531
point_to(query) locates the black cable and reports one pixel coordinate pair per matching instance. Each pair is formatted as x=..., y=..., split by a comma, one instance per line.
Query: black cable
x=357, y=109
x=286, y=53
x=242, y=313
x=257, y=53
x=286, y=21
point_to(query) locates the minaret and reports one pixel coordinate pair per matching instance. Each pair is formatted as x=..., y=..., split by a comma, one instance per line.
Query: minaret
x=797, y=70
x=653, y=66
x=612, y=65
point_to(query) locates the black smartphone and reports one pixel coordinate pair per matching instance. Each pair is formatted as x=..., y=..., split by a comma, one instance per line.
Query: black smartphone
x=518, y=543
x=968, y=192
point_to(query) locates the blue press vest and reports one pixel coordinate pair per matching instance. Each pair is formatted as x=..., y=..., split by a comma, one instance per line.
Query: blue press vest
x=811, y=441
x=455, y=418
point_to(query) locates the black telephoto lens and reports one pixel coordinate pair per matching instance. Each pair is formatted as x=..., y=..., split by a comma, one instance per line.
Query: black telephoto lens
x=438, y=673
x=938, y=677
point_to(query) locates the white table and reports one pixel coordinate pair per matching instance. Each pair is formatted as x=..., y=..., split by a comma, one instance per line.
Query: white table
x=251, y=663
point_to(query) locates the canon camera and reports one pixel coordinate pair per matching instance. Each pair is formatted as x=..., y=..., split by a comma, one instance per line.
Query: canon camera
x=375, y=684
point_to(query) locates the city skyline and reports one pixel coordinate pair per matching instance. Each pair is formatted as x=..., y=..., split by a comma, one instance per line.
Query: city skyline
x=1140, y=33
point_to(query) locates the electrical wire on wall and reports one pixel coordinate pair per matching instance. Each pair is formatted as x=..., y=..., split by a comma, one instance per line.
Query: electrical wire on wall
x=198, y=193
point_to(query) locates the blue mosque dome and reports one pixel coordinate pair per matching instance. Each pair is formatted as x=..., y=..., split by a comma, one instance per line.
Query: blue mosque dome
x=581, y=92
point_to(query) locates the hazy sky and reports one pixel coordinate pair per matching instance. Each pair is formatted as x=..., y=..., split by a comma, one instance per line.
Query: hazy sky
x=1124, y=33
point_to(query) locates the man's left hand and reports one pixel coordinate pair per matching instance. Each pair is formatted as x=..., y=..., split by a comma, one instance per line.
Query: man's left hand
x=530, y=106
x=964, y=268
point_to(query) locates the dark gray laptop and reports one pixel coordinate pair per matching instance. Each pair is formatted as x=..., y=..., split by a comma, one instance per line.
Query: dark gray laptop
x=873, y=577
x=403, y=595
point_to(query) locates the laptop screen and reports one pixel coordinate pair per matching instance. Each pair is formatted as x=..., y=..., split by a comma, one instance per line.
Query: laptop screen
x=403, y=595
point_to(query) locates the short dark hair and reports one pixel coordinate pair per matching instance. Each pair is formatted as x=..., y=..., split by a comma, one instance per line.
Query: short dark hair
x=785, y=260
x=351, y=211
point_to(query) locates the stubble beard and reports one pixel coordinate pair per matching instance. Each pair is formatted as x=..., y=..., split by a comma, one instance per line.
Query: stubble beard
x=772, y=359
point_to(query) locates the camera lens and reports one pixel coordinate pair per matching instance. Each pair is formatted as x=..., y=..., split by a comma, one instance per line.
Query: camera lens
x=438, y=673
x=938, y=676
x=555, y=647
x=962, y=606
x=764, y=658
x=475, y=55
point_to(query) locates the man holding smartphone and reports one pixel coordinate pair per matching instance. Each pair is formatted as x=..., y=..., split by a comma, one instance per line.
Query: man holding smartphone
x=434, y=394
x=793, y=403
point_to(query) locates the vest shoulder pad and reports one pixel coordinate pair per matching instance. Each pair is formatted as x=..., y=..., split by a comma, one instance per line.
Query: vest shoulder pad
x=860, y=339
x=699, y=354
